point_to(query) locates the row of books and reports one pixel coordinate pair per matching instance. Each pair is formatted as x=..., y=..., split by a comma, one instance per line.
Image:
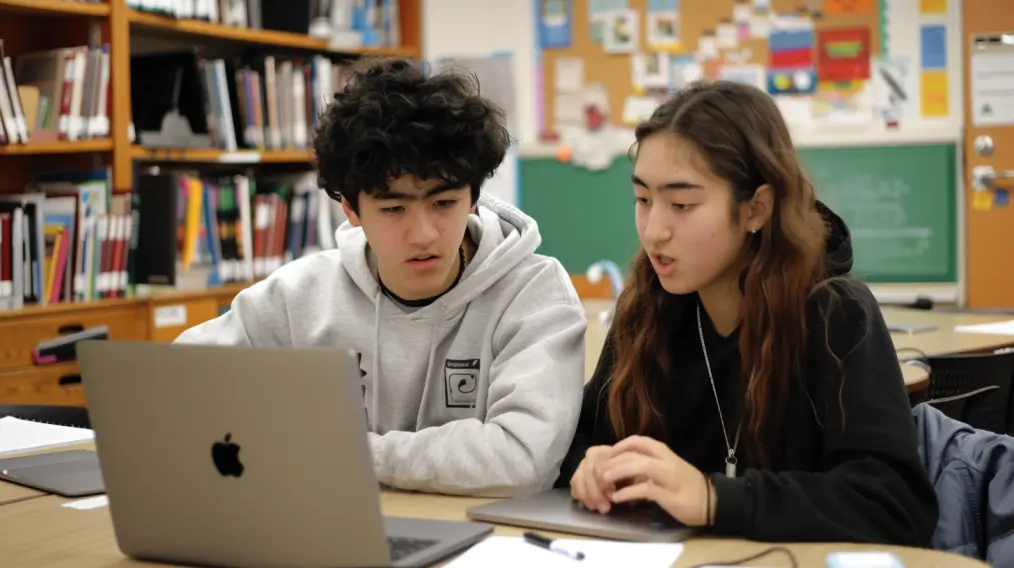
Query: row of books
x=346, y=23
x=259, y=103
x=67, y=238
x=57, y=94
x=206, y=230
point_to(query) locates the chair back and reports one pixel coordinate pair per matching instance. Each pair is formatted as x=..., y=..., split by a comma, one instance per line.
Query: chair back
x=974, y=388
x=73, y=416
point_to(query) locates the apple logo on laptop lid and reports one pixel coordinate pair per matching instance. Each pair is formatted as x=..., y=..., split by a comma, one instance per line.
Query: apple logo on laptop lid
x=225, y=455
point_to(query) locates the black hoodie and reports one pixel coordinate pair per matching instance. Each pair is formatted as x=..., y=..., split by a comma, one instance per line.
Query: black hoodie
x=851, y=478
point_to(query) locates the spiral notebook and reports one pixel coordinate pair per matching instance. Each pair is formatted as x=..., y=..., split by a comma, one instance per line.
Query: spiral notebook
x=17, y=435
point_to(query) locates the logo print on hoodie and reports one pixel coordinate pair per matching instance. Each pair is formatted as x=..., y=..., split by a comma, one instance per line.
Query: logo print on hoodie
x=461, y=381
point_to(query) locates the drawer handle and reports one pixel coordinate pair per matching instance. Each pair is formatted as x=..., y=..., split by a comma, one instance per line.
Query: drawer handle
x=70, y=328
x=70, y=380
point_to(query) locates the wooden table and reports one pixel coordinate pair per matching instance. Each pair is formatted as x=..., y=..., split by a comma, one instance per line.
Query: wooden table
x=38, y=531
x=944, y=340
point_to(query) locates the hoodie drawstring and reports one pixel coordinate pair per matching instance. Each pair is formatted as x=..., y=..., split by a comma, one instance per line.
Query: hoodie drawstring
x=375, y=369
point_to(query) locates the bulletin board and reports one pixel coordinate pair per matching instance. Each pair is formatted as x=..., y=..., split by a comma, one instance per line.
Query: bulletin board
x=705, y=31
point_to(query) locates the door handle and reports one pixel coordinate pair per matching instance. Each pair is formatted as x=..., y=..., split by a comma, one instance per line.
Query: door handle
x=984, y=177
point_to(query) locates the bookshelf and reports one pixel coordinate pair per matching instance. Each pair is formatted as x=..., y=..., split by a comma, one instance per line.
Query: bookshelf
x=61, y=147
x=31, y=26
x=54, y=7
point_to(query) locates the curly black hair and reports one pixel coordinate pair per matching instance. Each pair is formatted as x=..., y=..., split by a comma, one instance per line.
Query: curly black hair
x=394, y=119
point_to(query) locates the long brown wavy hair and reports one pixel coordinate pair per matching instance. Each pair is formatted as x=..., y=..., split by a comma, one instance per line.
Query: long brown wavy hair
x=739, y=132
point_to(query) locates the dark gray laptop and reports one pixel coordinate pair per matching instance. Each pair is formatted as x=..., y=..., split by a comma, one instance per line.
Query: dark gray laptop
x=236, y=456
x=556, y=510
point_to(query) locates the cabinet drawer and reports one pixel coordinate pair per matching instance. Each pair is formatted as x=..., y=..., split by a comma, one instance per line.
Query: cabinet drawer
x=18, y=336
x=45, y=384
x=169, y=318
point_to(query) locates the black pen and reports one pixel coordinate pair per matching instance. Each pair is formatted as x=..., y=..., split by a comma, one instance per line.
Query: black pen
x=550, y=544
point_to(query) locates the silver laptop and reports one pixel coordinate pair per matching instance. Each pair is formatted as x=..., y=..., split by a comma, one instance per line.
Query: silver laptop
x=236, y=456
x=556, y=510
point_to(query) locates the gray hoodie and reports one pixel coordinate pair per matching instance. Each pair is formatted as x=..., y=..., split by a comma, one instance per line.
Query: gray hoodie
x=475, y=394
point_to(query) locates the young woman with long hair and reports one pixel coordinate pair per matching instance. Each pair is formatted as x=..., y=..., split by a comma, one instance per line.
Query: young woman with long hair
x=748, y=383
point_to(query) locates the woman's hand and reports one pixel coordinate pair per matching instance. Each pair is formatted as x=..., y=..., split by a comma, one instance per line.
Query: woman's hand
x=657, y=474
x=587, y=486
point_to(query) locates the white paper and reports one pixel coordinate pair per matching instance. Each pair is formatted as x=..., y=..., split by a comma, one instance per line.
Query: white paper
x=87, y=504
x=760, y=25
x=742, y=13
x=621, y=32
x=762, y=4
x=895, y=88
x=727, y=36
x=992, y=86
x=569, y=73
x=994, y=328
x=651, y=71
x=594, y=151
x=638, y=109
x=796, y=110
x=18, y=435
x=707, y=47
x=568, y=109
x=504, y=551
x=750, y=74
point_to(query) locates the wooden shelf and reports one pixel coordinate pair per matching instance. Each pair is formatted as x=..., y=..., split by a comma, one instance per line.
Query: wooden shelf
x=247, y=35
x=214, y=155
x=55, y=7
x=31, y=311
x=42, y=148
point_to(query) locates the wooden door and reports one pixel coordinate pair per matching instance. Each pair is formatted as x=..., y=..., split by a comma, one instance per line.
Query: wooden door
x=988, y=48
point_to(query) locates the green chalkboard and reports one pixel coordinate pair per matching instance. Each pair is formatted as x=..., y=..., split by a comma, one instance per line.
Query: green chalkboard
x=583, y=216
x=900, y=202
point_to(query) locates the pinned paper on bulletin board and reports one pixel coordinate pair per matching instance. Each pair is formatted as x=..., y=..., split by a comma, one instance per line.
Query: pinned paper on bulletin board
x=651, y=71
x=791, y=66
x=932, y=6
x=555, y=18
x=894, y=88
x=844, y=102
x=982, y=200
x=622, y=32
x=598, y=14
x=935, y=99
x=843, y=54
x=934, y=79
x=662, y=26
x=842, y=7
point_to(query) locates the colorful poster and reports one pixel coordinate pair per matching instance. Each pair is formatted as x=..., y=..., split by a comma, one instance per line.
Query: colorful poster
x=933, y=6
x=847, y=7
x=935, y=99
x=843, y=54
x=933, y=41
x=555, y=23
x=894, y=88
x=790, y=69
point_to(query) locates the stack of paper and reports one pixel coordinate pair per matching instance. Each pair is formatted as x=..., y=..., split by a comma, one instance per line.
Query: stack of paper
x=497, y=551
x=995, y=328
x=17, y=435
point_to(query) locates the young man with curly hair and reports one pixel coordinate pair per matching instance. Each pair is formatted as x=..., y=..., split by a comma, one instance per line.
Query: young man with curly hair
x=471, y=345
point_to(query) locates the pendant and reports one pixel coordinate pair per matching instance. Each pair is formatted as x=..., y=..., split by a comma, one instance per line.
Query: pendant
x=730, y=466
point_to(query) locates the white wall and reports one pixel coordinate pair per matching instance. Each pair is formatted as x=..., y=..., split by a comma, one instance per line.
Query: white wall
x=478, y=28
x=485, y=27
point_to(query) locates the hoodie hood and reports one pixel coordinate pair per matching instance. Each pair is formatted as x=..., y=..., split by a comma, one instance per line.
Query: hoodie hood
x=838, y=247
x=504, y=236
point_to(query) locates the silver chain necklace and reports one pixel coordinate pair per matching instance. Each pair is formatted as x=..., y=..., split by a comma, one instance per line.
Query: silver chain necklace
x=730, y=459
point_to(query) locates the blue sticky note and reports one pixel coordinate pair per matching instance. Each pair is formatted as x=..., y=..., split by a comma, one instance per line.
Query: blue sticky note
x=934, y=46
x=1001, y=197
